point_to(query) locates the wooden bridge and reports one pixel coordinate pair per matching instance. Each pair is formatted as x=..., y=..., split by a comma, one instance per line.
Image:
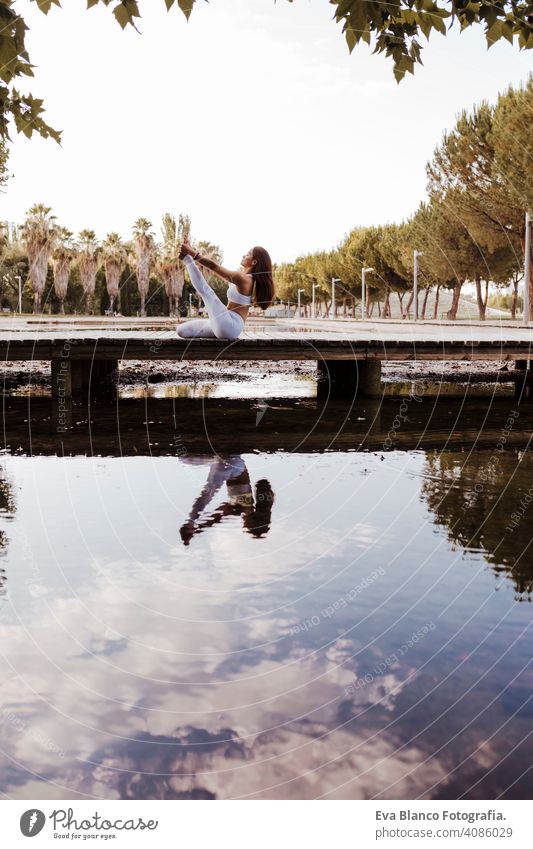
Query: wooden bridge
x=84, y=353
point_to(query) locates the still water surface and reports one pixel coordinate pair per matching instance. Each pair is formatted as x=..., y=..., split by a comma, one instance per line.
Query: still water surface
x=335, y=624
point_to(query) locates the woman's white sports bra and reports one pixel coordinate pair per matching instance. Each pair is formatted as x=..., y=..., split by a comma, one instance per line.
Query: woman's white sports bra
x=237, y=297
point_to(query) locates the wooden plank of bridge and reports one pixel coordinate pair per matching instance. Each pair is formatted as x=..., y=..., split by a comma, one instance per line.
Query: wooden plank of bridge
x=147, y=346
x=83, y=360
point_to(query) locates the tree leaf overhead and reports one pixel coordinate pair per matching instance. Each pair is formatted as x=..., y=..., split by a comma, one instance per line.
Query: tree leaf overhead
x=394, y=28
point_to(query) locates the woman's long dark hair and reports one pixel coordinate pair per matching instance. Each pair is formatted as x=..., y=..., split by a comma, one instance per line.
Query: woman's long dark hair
x=257, y=519
x=263, y=291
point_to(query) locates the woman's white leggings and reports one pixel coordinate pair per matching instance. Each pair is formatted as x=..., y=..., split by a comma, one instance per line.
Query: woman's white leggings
x=222, y=322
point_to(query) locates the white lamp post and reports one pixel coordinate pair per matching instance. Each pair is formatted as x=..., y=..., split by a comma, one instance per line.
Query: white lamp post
x=20, y=293
x=333, y=301
x=299, y=306
x=313, y=304
x=416, y=254
x=363, y=291
x=527, y=268
x=190, y=304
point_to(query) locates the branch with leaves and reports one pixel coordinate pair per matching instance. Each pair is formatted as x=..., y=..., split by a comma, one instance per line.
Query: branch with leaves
x=394, y=28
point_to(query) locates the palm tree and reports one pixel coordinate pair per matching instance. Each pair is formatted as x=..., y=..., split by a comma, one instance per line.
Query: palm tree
x=62, y=259
x=144, y=246
x=89, y=261
x=114, y=257
x=168, y=264
x=38, y=233
x=184, y=228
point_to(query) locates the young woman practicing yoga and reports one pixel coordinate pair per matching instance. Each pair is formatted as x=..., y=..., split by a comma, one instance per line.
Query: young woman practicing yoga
x=253, y=285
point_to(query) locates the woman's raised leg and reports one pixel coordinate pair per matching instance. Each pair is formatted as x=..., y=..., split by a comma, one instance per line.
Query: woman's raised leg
x=225, y=323
x=213, y=303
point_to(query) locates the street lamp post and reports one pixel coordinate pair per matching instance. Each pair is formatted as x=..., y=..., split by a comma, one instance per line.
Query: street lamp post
x=527, y=268
x=333, y=301
x=299, y=306
x=416, y=254
x=313, y=303
x=363, y=291
x=190, y=305
x=20, y=293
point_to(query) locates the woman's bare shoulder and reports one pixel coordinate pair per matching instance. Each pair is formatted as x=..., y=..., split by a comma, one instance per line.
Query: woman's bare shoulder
x=244, y=282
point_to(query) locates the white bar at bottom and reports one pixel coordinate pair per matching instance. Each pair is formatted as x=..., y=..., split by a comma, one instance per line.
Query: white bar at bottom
x=267, y=824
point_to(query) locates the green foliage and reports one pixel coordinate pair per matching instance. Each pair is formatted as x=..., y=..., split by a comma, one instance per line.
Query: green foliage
x=379, y=248
x=484, y=168
x=13, y=264
x=394, y=27
x=504, y=301
x=472, y=227
x=4, y=172
x=481, y=180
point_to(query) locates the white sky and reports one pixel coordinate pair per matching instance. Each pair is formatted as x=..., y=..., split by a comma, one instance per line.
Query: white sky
x=253, y=118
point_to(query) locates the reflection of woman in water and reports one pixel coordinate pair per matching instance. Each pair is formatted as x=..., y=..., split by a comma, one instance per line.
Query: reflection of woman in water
x=255, y=509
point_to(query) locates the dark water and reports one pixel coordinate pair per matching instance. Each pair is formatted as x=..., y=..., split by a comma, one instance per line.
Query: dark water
x=266, y=599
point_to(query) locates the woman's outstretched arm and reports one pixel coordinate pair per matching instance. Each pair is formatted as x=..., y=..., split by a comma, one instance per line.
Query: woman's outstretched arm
x=219, y=270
